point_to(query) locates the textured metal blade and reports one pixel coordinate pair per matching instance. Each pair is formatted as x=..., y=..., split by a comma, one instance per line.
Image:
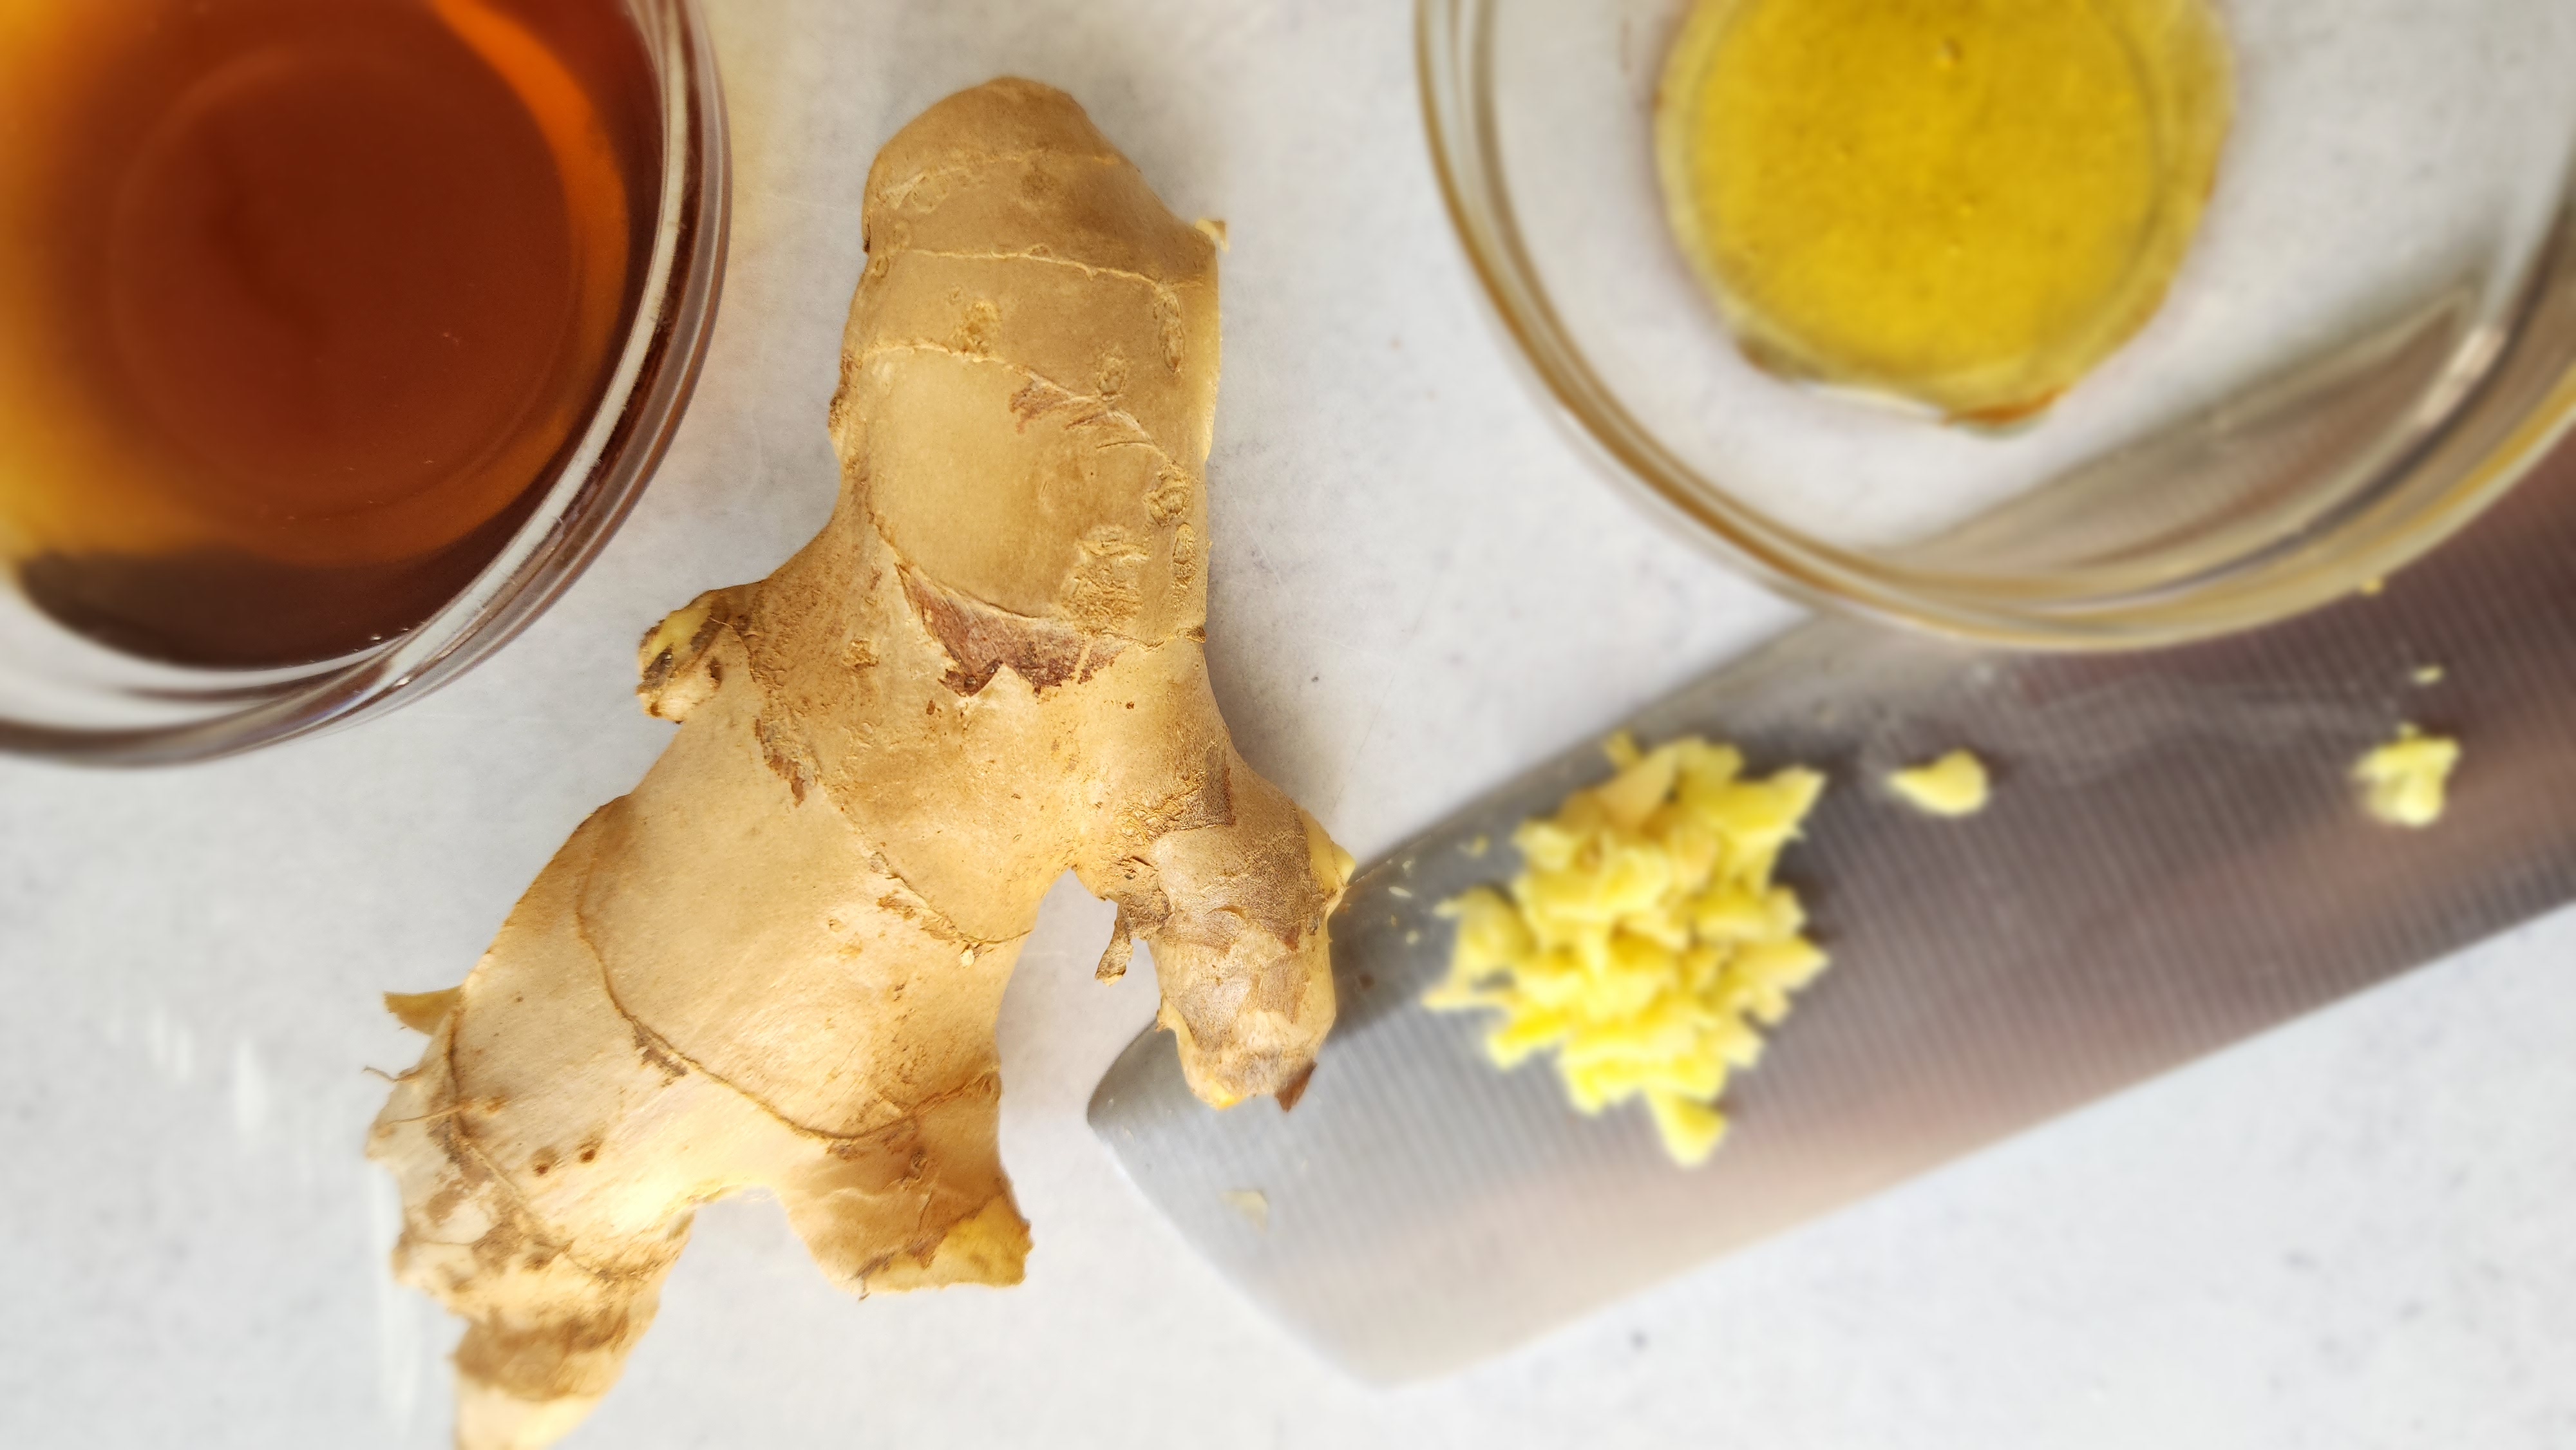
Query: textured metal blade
x=2173, y=861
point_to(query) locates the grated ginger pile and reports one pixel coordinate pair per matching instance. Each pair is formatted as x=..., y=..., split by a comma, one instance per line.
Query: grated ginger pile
x=1644, y=941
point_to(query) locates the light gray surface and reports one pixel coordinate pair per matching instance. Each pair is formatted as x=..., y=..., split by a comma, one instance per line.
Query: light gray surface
x=2355, y=1233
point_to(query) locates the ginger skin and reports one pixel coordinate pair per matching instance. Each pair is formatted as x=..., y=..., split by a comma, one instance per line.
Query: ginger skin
x=778, y=962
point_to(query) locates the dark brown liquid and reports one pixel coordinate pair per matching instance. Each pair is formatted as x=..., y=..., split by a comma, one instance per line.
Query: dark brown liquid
x=305, y=301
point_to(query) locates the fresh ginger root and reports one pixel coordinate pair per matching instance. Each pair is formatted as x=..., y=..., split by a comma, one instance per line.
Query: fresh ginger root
x=777, y=964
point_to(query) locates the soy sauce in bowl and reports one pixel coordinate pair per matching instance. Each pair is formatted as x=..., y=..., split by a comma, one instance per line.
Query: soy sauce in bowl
x=305, y=301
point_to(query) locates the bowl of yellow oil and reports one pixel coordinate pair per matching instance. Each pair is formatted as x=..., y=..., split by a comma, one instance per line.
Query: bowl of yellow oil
x=2058, y=323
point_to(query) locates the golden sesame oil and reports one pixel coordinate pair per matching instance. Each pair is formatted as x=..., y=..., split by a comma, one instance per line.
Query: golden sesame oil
x=1961, y=204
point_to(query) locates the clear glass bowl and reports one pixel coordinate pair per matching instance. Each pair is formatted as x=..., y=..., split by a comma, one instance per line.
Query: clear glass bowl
x=65, y=697
x=2374, y=334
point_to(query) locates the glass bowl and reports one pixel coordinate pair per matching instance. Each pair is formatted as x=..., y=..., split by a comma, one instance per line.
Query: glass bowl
x=65, y=697
x=2371, y=338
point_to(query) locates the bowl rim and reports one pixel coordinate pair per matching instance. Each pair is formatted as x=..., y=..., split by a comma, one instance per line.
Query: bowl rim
x=607, y=466
x=2505, y=418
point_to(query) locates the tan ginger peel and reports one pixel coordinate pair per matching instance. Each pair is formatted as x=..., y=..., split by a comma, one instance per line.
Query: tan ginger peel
x=777, y=963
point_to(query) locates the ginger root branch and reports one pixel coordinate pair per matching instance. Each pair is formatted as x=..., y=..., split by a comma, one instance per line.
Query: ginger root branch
x=777, y=963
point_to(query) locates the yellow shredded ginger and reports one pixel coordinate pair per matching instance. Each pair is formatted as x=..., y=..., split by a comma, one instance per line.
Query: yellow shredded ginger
x=1955, y=785
x=1644, y=942
x=2402, y=782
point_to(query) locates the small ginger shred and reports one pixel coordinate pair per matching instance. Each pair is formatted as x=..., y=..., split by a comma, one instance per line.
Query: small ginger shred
x=1252, y=1204
x=1954, y=785
x=1644, y=942
x=2403, y=781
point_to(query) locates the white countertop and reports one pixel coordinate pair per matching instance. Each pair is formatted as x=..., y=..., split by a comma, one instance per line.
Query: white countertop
x=2358, y=1231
